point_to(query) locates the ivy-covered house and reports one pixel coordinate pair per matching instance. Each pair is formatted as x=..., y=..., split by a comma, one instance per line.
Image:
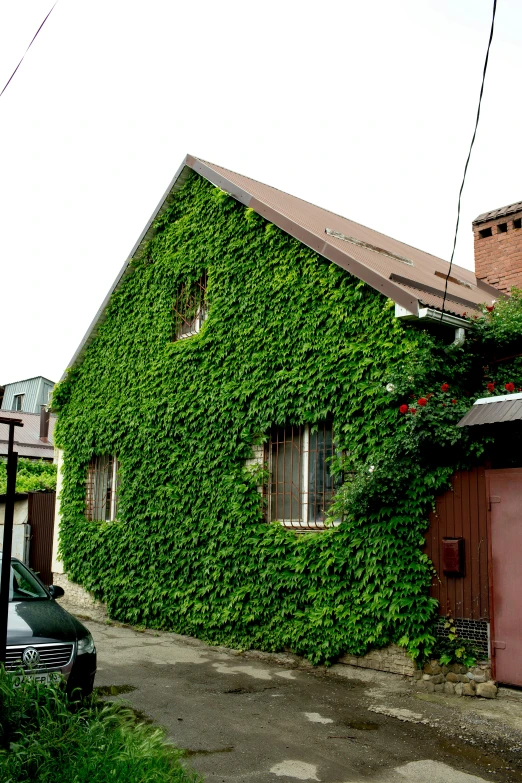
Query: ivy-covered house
x=258, y=420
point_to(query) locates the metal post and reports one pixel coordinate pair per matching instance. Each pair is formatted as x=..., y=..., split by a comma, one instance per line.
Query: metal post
x=12, y=463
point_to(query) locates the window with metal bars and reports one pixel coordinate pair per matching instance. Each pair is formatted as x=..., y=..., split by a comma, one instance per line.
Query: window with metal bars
x=102, y=489
x=190, y=308
x=301, y=484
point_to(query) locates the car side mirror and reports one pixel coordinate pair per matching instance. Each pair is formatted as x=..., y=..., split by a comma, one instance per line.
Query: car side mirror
x=56, y=591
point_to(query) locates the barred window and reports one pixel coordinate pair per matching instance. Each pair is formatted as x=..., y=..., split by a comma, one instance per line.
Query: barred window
x=102, y=488
x=190, y=308
x=301, y=485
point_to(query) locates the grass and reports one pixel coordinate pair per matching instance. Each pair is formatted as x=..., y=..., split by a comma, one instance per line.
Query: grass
x=45, y=738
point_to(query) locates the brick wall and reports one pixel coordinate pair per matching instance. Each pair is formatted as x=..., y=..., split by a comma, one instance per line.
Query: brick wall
x=498, y=257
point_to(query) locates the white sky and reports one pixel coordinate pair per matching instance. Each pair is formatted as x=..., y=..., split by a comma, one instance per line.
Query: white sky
x=365, y=108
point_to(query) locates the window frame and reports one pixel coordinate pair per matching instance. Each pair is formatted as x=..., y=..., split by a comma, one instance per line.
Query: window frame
x=300, y=440
x=102, y=488
x=16, y=398
x=190, y=298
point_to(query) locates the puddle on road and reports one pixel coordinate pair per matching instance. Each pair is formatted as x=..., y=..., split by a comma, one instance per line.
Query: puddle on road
x=362, y=725
x=202, y=752
x=489, y=761
x=114, y=690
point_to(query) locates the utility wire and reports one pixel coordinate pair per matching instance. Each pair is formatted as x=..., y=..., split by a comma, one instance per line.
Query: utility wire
x=23, y=56
x=469, y=155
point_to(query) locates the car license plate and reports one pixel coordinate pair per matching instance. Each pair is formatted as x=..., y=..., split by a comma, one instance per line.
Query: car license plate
x=41, y=677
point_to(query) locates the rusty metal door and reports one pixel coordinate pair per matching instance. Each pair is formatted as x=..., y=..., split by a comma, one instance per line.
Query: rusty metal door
x=41, y=519
x=504, y=490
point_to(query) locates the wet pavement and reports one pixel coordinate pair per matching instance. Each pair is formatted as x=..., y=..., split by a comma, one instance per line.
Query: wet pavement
x=263, y=718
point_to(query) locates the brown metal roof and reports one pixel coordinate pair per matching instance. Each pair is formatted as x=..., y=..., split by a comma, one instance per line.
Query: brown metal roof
x=496, y=213
x=377, y=259
x=27, y=438
x=493, y=410
x=363, y=249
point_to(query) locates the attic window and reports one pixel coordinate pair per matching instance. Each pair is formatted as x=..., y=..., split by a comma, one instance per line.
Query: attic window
x=485, y=232
x=190, y=308
x=501, y=228
x=517, y=223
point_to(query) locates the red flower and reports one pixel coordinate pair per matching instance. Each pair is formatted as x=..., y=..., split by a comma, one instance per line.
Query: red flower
x=454, y=402
x=444, y=387
x=490, y=387
x=413, y=410
x=403, y=409
x=422, y=401
x=490, y=308
x=510, y=387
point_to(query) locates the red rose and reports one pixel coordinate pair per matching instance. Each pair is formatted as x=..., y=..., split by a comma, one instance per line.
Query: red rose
x=454, y=402
x=510, y=387
x=403, y=409
x=490, y=387
x=412, y=410
x=490, y=308
x=444, y=387
x=422, y=401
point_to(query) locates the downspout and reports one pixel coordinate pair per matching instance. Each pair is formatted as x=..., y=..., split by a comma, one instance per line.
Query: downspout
x=460, y=338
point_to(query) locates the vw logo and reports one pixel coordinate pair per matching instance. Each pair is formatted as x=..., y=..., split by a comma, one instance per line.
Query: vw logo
x=31, y=657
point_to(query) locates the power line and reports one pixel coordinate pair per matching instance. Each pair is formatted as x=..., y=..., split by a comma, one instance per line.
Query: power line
x=23, y=56
x=469, y=155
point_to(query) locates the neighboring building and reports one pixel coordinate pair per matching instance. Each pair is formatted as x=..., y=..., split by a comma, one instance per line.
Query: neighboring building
x=258, y=331
x=35, y=439
x=27, y=396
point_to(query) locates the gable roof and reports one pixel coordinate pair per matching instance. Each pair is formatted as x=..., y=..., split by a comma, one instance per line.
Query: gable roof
x=27, y=438
x=410, y=277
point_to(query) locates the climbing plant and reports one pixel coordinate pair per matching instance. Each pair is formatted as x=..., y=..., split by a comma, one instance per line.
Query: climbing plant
x=288, y=338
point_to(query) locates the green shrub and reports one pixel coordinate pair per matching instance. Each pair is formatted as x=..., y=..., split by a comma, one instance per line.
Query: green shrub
x=32, y=476
x=45, y=738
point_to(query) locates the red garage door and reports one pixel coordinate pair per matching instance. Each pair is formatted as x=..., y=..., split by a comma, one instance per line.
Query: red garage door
x=504, y=489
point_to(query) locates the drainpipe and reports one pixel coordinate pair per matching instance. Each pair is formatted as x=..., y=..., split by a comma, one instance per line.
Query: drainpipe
x=460, y=337
x=427, y=314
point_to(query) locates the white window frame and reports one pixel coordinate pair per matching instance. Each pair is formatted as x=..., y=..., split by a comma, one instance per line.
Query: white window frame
x=17, y=397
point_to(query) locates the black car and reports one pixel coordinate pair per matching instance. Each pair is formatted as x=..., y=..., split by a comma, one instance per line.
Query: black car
x=42, y=638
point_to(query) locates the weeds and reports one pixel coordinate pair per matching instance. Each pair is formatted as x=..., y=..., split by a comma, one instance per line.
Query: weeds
x=44, y=738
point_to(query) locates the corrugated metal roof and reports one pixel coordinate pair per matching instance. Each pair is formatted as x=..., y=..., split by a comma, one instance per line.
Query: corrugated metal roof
x=367, y=254
x=27, y=438
x=493, y=410
x=501, y=212
x=421, y=269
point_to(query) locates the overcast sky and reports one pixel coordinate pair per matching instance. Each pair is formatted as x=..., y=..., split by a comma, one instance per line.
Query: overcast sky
x=365, y=108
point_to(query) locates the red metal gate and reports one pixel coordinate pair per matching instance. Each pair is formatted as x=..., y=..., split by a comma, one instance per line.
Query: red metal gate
x=41, y=519
x=504, y=492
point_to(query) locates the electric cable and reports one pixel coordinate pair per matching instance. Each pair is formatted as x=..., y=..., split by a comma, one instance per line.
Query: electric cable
x=23, y=56
x=469, y=155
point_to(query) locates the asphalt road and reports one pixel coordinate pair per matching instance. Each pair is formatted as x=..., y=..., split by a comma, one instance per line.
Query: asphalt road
x=271, y=719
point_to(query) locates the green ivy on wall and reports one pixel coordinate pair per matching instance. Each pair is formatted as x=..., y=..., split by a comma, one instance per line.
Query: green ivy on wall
x=289, y=338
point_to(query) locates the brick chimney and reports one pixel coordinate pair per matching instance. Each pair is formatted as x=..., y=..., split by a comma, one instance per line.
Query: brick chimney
x=498, y=247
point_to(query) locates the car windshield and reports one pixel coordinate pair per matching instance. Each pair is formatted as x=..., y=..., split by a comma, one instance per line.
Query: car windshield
x=22, y=584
